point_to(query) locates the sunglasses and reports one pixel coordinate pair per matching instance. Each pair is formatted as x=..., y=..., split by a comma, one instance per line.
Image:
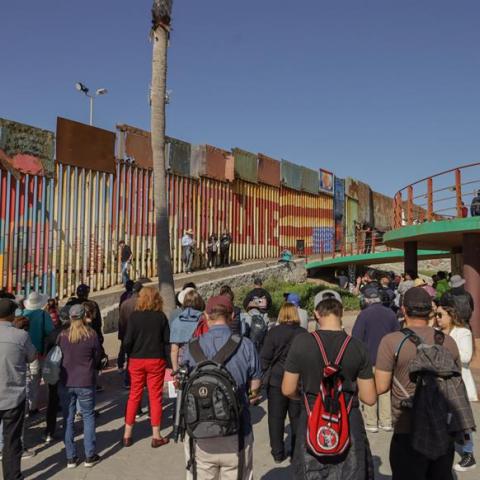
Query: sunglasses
x=439, y=315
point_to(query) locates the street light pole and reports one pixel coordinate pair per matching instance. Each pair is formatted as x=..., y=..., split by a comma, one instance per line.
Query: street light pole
x=83, y=89
x=91, y=110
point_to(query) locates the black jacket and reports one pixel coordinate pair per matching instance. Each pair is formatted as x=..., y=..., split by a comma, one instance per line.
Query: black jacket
x=147, y=335
x=275, y=349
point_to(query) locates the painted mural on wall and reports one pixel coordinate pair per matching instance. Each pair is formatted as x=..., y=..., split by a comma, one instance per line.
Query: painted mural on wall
x=26, y=149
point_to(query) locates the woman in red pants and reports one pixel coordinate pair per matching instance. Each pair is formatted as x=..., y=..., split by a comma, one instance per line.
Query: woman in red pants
x=145, y=342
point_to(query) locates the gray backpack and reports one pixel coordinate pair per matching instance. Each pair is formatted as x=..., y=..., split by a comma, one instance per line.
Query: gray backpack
x=439, y=407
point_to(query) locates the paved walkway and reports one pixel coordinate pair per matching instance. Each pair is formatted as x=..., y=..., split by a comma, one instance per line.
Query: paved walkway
x=143, y=463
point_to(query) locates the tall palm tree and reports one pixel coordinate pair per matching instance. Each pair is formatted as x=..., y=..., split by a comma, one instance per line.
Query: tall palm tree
x=161, y=17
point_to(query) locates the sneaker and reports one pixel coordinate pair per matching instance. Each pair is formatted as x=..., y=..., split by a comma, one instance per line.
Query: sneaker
x=91, y=461
x=139, y=414
x=466, y=463
x=280, y=458
x=72, y=462
x=26, y=454
x=48, y=438
x=371, y=429
x=386, y=428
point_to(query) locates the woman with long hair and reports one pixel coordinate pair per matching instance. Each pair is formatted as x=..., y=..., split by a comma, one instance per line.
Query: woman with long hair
x=81, y=355
x=145, y=342
x=273, y=355
x=449, y=322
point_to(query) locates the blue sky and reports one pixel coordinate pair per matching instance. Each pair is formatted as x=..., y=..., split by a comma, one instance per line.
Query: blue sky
x=385, y=91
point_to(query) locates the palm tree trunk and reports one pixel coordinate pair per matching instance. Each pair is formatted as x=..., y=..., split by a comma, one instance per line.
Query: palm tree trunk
x=159, y=78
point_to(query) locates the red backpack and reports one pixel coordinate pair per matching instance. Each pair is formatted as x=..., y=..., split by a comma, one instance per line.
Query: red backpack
x=328, y=430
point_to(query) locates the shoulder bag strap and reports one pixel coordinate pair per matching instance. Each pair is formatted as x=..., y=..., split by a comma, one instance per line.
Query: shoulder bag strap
x=228, y=349
x=196, y=351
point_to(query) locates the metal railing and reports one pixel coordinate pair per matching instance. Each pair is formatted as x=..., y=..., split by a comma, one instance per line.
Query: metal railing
x=445, y=195
x=360, y=246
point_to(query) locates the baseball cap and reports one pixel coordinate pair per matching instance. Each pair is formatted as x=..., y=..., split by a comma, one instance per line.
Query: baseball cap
x=7, y=307
x=418, y=300
x=293, y=298
x=370, y=292
x=325, y=295
x=77, y=311
x=218, y=303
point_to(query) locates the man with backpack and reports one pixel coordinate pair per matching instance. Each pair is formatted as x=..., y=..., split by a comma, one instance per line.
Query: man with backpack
x=334, y=370
x=224, y=368
x=397, y=364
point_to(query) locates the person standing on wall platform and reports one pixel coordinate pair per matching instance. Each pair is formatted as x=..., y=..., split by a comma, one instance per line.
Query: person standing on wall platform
x=188, y=245
x=225, y=242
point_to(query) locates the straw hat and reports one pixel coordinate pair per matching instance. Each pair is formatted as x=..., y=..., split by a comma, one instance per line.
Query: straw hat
x=35, y=301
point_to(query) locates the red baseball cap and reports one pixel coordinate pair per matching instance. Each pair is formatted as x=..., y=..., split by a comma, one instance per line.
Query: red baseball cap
x=219, y=304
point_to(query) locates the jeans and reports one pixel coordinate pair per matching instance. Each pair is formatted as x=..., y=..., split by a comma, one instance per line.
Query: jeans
x=406, y=463
x=187, y=258
x=125, y=275
x=12, y=423
x=86, y=399
x=278, y=407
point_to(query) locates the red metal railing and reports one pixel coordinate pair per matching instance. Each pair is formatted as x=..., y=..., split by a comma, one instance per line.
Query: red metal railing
x=362, y=245
x=442, y=196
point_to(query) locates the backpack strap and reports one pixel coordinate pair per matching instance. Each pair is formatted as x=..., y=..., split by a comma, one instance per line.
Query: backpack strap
x=409, y=335
x=339, y=357
x=228, y=349
x=196, y=351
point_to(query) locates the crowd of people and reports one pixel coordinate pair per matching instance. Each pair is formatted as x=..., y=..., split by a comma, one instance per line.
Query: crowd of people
x=332, y=386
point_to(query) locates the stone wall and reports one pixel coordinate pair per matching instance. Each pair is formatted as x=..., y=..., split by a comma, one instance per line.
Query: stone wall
x=293, y=272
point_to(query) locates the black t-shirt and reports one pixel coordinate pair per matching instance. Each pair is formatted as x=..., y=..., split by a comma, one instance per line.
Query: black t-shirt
x=305, y=359
x=126, y=253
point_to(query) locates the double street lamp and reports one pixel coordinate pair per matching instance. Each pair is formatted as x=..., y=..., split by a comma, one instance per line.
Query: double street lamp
x=83, y=89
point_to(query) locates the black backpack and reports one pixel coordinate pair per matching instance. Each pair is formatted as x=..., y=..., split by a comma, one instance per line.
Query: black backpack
x=257, y=329
x=212, y=405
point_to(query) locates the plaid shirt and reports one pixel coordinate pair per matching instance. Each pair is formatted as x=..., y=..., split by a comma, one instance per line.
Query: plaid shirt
x=441, y=409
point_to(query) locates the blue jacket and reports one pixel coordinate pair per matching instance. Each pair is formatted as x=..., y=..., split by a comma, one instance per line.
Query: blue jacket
x=183, y=325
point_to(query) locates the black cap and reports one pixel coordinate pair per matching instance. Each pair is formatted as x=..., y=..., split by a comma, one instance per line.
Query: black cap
x=417, y=300
x=7, y=307
x=370, y=291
